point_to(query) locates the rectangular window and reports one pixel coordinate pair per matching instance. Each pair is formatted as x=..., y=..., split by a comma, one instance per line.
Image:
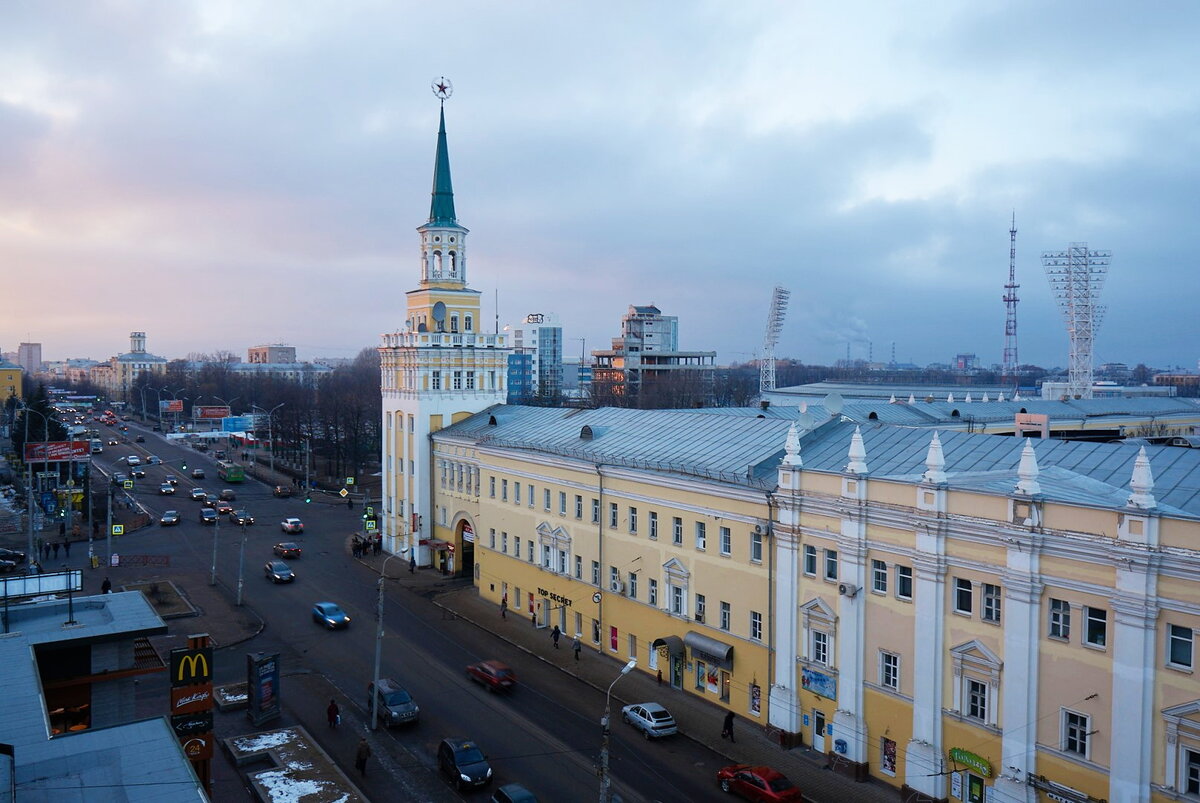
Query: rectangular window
x=962, y=595
x=547, y=557
x=810, y=560
x=546, y=499
x=653, y=525
x=470, y=380
x=516, y=493
x=562, y=503
x=562, y=561
x=677, y=531
x=726, y=615
x=977, y=694
x=503, y=490
x=595, y=511
x=1060, y=619
x=701, y=536
x=595, y=572
x=904, y=582
x=632, y=646
x=504, y=543
x=458, y=380
x=1095, y=626
x=633, y=591
x=578, y=567
x=436, y=380
x=492, y=487
x=677, y=604
x=614, y=579
x=1179, y=646
x=879, y=576
x=653, y=599
x=756, y=547
x=612, y=514
x=700, y=608
x=1075, y=733
x=831, y=570
x=578, y=506
x=633, y=519
x=1191, y=772
x=889, y=670
x=756, y=625
x=517, y=546
x=726, y=541
x=820, y=647
x=991, y=603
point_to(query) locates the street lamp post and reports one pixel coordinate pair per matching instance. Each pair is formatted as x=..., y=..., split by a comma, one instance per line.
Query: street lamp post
x=378, y=642
x=241, y=564
x=270, y=433
x=212, y=581
x=605, y=783
x=26, y=409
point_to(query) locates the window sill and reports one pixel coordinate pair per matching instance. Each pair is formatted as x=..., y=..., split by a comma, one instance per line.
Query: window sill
x=1186, y=670
x=1096, y=647
x=964, y=614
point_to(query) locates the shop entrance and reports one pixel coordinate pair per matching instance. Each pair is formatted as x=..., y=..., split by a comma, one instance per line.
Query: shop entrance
x=818, y=732
x=677, y=671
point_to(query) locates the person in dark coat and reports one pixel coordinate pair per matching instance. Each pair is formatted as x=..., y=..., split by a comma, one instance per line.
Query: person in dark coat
x=66, y=548
x=555, y=634
x=106, y=587
x=412, y=565
x=56, y=550
x=727, y=728
x=361, y=756
x=331, y=714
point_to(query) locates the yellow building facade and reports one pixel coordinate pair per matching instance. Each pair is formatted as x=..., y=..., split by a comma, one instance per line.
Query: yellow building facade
x=10, y=380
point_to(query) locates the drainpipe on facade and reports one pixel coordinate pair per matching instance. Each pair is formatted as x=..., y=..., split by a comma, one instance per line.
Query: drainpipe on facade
x=600, y=550
x=770, y=536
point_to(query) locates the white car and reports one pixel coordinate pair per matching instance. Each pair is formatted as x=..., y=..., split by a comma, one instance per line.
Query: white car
x=133, y=460
x=651, y=719
x=292, y=525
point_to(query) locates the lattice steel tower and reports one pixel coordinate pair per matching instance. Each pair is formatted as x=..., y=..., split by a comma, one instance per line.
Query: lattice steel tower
x=1076, y=278
x=1010, y=304
x=766, y=371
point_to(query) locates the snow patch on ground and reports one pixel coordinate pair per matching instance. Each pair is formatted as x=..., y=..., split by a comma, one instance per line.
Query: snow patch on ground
x=256, y=744
x=284, y=789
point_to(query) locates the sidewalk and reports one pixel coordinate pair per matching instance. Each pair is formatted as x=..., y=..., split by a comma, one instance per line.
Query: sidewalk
x=697, y=719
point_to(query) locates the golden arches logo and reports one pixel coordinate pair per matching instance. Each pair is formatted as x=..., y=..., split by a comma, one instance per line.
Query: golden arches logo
x=193, y=662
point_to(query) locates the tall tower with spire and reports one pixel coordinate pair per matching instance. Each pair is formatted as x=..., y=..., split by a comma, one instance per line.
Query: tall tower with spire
x=438, y=369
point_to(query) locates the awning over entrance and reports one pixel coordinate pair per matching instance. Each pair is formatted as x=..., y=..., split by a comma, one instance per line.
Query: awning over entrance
x=709, y=649
x=439, y=545
x=674, y=644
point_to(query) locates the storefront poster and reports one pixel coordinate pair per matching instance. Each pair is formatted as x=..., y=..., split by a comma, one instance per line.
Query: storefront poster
x=887, y=761
x=755, y=699
x=710, y=681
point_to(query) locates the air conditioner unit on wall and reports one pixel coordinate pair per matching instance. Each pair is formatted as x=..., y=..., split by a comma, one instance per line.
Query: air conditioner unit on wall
x=847, y=589
x=758, y=528
x=618, y=587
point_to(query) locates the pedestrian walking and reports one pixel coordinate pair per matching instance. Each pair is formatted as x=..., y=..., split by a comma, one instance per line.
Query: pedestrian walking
x=56, y=550
x=504, y=607
x=106, y=586
x=62, y=529
x=660, y=677
x=577, y=645
x=361, y=756
x=349, y=503
x=95, y=528
x=378, y=544
x=66, y=548
x=555, y=634
x=727, y=728
x=412, y=565
x=333, y=714
x=45, y=551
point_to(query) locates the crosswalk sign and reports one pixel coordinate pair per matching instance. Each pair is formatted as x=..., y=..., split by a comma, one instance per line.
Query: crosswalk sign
x=118, y=529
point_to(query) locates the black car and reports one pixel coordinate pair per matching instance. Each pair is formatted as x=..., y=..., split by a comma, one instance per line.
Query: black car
x=278, y=572
x=140, y=439
x=227, y=495
x=208, y=516
x=241, y=517
x=14, y=555
x=463, y=763
x=169, y=519
x=137, y=472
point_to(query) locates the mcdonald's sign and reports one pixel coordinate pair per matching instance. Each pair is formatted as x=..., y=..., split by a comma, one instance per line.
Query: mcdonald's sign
x=189, y=667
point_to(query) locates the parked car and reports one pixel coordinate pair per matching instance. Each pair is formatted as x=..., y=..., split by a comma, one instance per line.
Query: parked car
x=208, y=516
x=757, y=783
x=492, y=674
x=396, y=705
x=14, y=555
x=513, y=793
x=198, y=495
x=287, y=549
x=330, y=615
x=227, y=495
x=7, y=566
x=651, y=719
x=241, y=517
x=292, y=525
x=169, y=518
x=171, y=478
x=140, y=439
x=278, y=572
x=282, y=491
x=463, y=763
x=166, y=488
x=197, y=473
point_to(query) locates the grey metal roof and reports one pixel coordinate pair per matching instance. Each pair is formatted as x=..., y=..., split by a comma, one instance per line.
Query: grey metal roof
x=746, y=449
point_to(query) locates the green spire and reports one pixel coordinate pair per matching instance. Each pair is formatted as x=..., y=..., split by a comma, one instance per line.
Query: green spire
x=441, y=211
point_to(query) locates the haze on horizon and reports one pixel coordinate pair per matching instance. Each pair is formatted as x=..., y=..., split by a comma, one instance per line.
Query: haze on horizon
x=227, y=174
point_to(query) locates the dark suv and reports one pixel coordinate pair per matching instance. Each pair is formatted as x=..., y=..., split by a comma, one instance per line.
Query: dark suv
x=396, y=706
x=463, y=763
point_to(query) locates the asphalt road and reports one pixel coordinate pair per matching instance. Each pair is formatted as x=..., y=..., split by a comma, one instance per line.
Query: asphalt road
x=545, y=735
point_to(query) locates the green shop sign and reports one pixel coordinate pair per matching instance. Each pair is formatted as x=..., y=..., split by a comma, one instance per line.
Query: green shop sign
x=972, y=761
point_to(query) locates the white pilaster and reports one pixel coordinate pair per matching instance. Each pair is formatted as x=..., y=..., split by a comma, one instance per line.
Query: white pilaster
x=848, y=721
x=925, y=755
x=783, y=710
x=1135, y=613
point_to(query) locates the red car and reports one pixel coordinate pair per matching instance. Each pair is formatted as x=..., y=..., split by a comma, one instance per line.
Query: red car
x=757, y=783
x=492, y=674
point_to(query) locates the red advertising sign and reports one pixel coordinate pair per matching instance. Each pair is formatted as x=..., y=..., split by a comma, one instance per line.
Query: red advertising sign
x=53, y=451
x=190, y=699
x=199, y=411
x=170, y=405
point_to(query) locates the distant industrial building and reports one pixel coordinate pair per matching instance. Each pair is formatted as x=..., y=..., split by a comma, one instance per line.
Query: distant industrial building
x=646, y=359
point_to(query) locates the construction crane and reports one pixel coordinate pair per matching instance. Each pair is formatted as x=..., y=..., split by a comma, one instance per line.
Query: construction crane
x=766, y=371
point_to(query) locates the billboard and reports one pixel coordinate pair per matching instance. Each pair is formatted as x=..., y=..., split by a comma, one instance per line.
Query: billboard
x=209, y=412
x=237, y=423
x=262, y=683
x=170, y=405
x=53, y=451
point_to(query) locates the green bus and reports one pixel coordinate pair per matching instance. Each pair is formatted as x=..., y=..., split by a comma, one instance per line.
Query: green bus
x=230, y=472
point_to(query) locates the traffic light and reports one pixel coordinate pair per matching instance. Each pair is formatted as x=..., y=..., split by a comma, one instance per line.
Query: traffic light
x=307, y=498
x=184, y=464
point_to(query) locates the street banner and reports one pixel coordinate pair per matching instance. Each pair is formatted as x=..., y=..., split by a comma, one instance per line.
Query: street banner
x=53, y=451
x=170, y=405
x=199, y=411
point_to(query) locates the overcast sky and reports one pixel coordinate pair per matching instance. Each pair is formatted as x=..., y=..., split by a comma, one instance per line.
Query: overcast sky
x=227, y=174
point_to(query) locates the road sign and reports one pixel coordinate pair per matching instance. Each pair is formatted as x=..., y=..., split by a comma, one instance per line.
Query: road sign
x=127, y=485
x=70, y=483
x=370, y=511
x=118, y=529
x=370, y=526
x=343, y=493
x=349, y=480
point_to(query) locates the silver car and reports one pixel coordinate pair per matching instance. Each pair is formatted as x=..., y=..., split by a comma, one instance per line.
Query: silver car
x=651, y=719
x=396, y=705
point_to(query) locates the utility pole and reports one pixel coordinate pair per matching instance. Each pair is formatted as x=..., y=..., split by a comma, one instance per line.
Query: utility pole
x=212, y=581
x=241, y=564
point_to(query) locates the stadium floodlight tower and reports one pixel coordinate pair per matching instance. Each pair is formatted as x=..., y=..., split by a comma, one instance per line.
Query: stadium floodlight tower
x=1076, y=277
x=779, y=304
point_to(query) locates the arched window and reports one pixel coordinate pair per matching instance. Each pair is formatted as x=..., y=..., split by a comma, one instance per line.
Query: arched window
x=468, y=323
